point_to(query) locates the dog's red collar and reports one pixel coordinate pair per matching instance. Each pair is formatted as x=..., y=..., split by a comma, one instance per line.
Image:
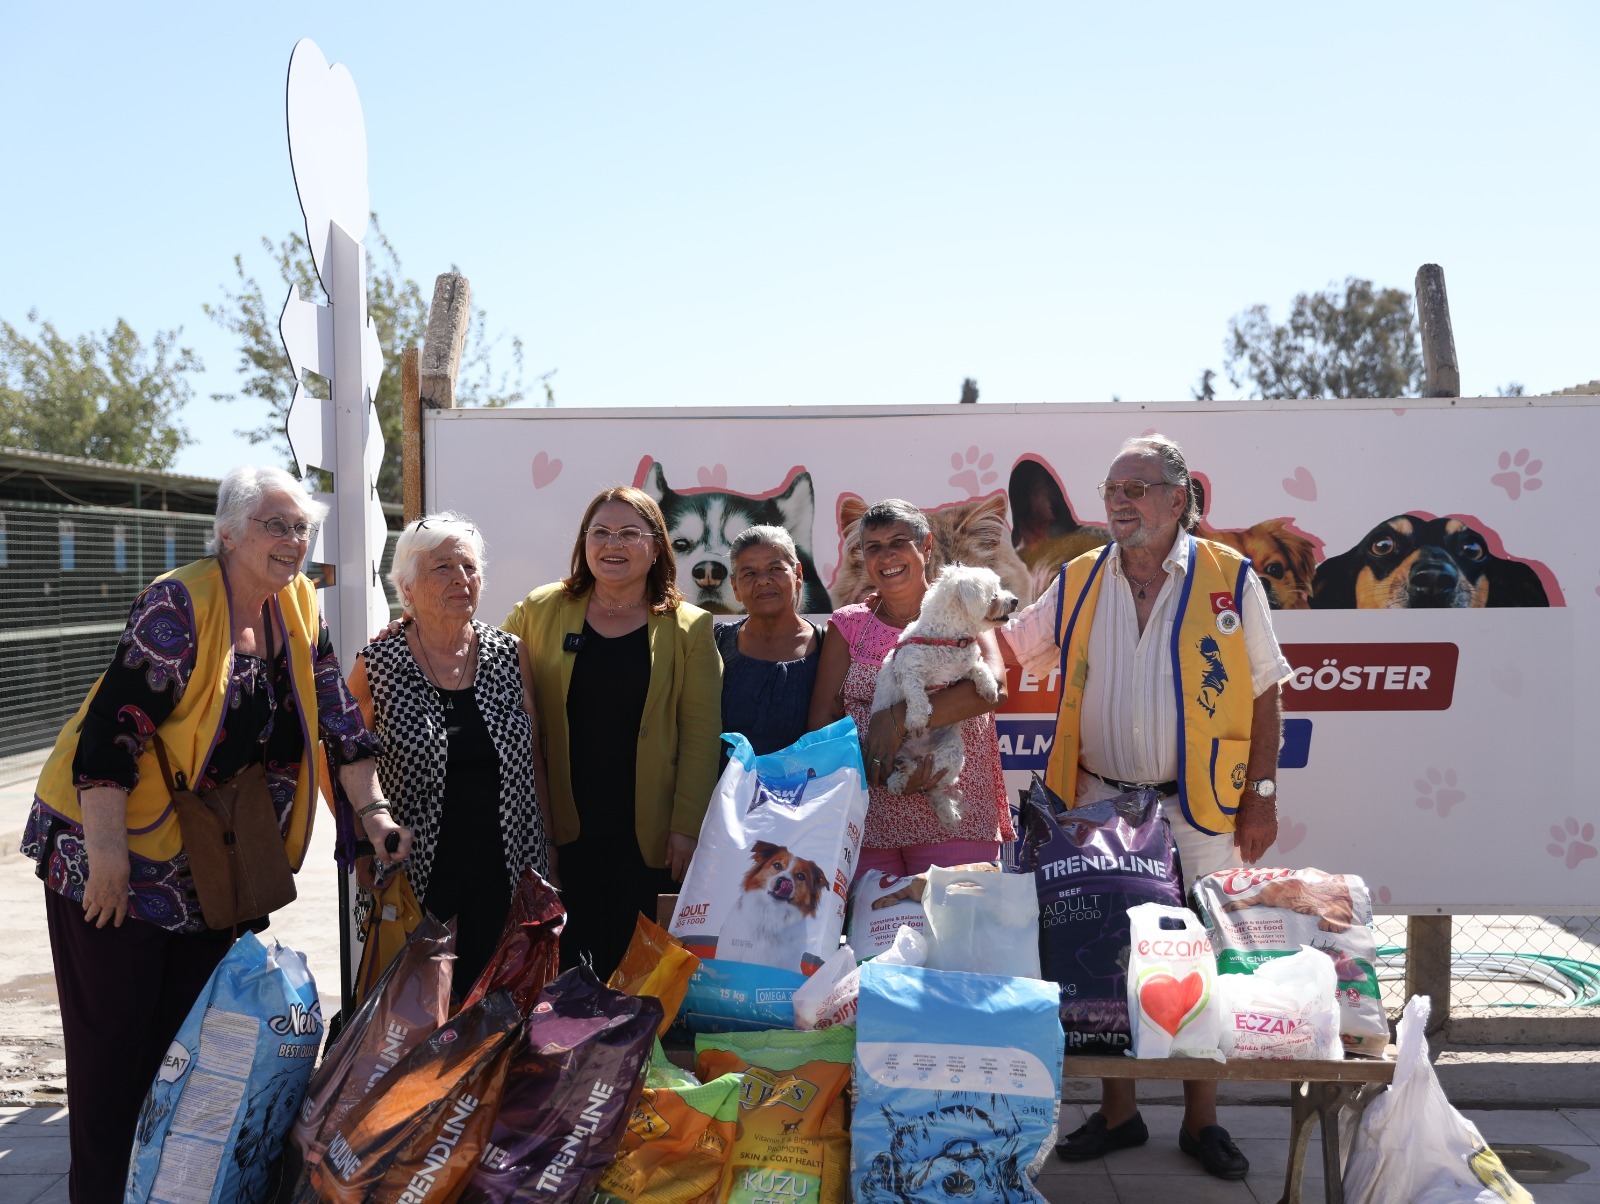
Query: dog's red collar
x=939, y=643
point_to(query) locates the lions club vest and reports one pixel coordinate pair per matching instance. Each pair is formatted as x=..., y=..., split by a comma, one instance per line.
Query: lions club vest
x=1211, y=682
x=193, y=728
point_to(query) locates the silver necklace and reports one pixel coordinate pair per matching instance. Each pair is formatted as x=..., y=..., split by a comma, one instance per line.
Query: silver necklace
x=434, y=676
x=1145, y=584
x=613, y=611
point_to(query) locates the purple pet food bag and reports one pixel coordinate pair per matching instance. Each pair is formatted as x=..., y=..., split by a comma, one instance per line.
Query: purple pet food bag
x=1090, y=865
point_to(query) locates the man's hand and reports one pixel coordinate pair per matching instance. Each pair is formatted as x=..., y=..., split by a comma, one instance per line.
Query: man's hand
x=680, y=851
x=1255, y=826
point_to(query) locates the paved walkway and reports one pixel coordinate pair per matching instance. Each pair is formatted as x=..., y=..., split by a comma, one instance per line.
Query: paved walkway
x=33, y=1157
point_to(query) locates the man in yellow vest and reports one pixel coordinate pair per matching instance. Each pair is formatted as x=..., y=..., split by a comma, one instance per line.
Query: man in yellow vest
x=1169, y=679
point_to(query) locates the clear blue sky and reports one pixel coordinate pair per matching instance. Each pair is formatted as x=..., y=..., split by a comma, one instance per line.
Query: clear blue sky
x=735, y=203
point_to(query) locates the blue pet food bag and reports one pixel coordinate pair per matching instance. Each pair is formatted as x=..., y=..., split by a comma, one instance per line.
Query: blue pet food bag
x=957, y=1082
x=215, y=1119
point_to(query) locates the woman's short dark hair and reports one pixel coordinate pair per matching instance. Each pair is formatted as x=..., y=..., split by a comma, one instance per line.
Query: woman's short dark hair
x=661, y=585
x=891, y=511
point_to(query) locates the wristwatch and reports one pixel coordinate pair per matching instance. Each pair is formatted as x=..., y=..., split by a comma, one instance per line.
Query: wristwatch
x=1265, y=788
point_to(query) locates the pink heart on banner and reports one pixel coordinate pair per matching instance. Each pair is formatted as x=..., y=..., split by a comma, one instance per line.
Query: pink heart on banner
x=1301, y=485
x=715, y=477
x=1290, y=834
x=545, y=470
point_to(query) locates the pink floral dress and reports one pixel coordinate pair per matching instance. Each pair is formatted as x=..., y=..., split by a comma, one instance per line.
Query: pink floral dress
x=897, y=820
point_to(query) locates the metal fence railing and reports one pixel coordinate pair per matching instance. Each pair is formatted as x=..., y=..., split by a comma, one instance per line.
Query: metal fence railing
x=68, y=575
x=1504, y=962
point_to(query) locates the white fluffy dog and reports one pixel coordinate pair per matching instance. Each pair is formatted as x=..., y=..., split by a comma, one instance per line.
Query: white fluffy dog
x=939, y=649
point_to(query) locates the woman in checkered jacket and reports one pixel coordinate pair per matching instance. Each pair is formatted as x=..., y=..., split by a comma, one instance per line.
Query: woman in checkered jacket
x=451, y=700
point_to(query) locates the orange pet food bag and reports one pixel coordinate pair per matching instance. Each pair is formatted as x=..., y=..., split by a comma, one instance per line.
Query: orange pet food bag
x=792, y=1139
x=656, y=964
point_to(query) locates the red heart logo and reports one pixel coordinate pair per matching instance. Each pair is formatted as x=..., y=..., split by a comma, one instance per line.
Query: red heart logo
x=1167, y=1001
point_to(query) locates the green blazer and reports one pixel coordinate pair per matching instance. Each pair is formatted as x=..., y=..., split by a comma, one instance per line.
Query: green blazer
x=679, y=735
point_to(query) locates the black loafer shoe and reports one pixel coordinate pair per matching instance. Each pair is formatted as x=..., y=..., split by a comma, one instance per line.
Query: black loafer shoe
x=1215, y=1151
x=1095, y=1139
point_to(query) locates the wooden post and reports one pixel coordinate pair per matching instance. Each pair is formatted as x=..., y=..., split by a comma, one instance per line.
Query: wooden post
x=410, y=434
x=1428, y=965
x=1438, y=342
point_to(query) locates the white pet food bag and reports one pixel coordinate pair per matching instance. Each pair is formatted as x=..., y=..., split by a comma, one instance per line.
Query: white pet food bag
x=871, y=932
x=763, y=903
x=982, y=923
x=1284, y=1011
x=1257, y=914
x=830, y=995
x=1172, y=977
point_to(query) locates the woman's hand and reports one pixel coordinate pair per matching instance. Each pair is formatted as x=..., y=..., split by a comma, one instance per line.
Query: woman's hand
x=394, y=627
x=680, y=851
x=552, y=865
x=379, y=825
x=105, y=840
x=924, y=777
x=883, y=743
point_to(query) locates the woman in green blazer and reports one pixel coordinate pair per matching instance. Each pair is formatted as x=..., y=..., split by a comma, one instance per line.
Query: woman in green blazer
x=628, y=686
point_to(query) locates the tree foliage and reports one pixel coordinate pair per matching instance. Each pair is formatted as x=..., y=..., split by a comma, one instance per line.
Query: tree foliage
x=104, y=395
x=1361, y=342
x=398, y=308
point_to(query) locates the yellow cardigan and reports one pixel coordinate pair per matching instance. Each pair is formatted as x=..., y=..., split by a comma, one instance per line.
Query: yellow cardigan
x=679, y=733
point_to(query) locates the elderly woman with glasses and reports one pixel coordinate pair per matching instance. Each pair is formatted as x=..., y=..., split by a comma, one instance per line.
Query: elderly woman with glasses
x=628, y=685
x=223, y=670
x=451, y=700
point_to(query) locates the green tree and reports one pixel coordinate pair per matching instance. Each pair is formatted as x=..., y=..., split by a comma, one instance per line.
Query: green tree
x=398, y=308
x=105, y=395
x=1361, y=342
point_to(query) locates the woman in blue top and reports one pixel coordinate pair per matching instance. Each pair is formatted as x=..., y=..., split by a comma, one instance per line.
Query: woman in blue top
x=769, y=658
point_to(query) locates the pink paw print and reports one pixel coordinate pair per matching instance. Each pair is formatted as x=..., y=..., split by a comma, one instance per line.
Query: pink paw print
x=1517, y=473
x=1436, y=791
x=1573, y=844
x=973, y=470
x=1383, y=895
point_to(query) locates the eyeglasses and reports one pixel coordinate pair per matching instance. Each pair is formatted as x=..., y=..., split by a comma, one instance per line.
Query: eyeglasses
x=440, y=524
x=1132, y=490
x=628, y=537
x=279, y=529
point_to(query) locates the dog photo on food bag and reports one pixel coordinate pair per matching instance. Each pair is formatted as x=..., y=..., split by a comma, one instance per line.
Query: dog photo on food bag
x=972, y=532
x=938, y=649
x=1412, y=561
x=702, y=523
x=779, y=893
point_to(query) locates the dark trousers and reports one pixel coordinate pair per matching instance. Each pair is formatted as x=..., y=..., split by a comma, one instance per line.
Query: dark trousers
x=605, y=884
x=124, y=992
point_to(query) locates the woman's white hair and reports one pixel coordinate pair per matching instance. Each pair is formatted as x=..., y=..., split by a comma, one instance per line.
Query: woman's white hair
x=421, y=537
x=241, y=492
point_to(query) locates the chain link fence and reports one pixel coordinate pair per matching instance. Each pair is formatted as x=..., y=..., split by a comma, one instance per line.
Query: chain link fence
x=1525, y=962
x=68, y=575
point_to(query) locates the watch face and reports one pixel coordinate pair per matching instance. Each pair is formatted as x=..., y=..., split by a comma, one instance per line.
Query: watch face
x=1265, y=787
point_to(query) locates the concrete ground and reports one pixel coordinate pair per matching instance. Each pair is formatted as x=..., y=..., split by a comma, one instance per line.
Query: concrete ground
x=1540, y=1107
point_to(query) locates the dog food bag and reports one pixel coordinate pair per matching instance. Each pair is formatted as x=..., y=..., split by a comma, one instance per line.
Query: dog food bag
x=1283, y=1011
x=1173, y=1011
x=529, y=951
x=982, y=923
x=410, y=999
x=656, y=964
x=677, y=1140
x=763, y=902
x=830, y=996
x=418, y=1134
x=870, y=930
x=1090, y=865
x=957, y=1083
x=214, y=1120
x=792, y=1140
x=1255, y=915
x=569, y=1094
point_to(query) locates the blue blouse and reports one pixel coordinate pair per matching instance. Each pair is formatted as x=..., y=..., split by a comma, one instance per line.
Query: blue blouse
x=765, y=701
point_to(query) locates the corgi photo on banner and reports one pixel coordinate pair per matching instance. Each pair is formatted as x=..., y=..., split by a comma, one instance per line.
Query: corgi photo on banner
x=702, y=523
x=971, y=532
x=1283, y=557
x=779, y=893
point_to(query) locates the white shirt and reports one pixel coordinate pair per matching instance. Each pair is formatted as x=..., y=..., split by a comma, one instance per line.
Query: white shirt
x=1130, y=724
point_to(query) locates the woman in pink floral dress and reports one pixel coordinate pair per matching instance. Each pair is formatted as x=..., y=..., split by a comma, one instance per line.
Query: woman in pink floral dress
x=903, y=835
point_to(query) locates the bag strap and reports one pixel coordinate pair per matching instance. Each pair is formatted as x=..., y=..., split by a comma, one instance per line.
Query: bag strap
x=166, y=767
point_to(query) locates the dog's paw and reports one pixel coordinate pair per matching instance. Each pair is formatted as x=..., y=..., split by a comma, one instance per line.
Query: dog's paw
x=985, y=681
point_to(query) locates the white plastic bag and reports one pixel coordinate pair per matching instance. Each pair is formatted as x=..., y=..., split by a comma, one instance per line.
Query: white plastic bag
x=829, y=996
x=1172, y=981
x=1286, y=1010
x=1412, y=1147
x=982, y=923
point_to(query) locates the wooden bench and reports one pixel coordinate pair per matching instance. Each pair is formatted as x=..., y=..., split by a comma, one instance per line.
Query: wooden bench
x=1317, y=1091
